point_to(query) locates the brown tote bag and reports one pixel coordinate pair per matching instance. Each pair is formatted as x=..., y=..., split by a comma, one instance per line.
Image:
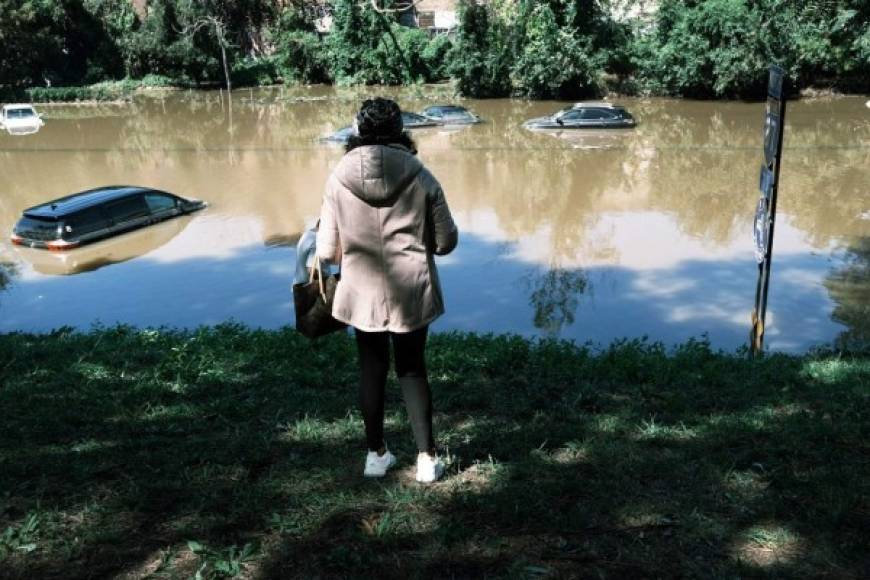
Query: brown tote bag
x=313, y=303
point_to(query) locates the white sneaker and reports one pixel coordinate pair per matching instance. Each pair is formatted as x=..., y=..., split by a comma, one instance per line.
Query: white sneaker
x=429, y=468
x=377, y=465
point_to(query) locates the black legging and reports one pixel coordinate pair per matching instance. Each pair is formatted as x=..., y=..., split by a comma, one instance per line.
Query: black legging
x=374, y=362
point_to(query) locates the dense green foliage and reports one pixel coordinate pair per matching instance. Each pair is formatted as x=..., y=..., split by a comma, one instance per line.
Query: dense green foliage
x=164, y=454
x=722, y=47
x=539, y=49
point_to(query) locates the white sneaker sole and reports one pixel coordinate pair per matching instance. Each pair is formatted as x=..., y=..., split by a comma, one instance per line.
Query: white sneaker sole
x=375, y=474
x=437, y=476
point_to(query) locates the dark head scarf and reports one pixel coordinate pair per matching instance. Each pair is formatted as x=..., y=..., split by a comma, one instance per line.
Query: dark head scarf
x=379, y=122
x=379, y=117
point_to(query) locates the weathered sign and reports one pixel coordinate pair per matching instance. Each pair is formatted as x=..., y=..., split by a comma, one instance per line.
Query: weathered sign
x=765, y=210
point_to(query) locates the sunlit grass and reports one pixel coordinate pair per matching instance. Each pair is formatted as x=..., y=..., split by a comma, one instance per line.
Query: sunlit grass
x=767, y=545
x=163, y=454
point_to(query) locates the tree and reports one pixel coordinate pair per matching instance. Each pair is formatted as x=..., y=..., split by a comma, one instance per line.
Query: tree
x=554, y=61
x=216, y=26
x=482, y=55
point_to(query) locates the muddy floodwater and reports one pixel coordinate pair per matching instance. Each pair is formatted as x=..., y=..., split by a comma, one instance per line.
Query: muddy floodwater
x=587, y=235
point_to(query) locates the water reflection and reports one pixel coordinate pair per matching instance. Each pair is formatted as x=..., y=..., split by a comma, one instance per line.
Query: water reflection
x=7, y=271
x=554, y=295
x=849, y=286
x=104, y=253
x=590, y=139
x=650, y=208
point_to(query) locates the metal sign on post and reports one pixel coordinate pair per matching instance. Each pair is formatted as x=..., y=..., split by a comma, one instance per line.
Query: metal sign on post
x=765, y=211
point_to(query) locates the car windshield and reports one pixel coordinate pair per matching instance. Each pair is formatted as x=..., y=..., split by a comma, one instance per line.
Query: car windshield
x=20, y=113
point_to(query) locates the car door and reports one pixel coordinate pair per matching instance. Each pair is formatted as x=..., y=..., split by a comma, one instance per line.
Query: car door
x=597, y=118
x=86, y=225
x=571, y=119
x=127, y=213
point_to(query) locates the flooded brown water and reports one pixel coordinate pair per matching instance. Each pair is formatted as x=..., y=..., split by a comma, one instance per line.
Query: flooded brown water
x=590, y=235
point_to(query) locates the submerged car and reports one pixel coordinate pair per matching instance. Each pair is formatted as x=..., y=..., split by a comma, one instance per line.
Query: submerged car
x=95, y=214
x=450, y=115
x=409, y=120
x=585, y=116
x=20, y=119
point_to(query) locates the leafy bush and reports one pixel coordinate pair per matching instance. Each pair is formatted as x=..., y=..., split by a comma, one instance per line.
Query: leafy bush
x=155, y=80
x=72, y=94
x=254, y=72
x=721, y=48
x=554, y=61
x=482, y=55
x=436, y=57
x=300, y=58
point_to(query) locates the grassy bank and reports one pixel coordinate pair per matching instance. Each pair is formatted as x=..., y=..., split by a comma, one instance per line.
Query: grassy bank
x=122, y=90
x=157, y=454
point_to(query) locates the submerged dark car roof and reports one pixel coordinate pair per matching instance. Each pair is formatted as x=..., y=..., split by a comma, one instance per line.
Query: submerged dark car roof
x=65, y=206
x=446, y=108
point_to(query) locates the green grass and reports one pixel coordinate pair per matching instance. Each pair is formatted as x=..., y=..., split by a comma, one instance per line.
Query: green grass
x=231, y=452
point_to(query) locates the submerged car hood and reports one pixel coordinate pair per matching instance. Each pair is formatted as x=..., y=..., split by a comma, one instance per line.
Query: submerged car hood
x=538, y=121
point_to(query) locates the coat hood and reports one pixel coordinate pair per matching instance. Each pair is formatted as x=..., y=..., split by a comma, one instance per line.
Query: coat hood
x=378, y=173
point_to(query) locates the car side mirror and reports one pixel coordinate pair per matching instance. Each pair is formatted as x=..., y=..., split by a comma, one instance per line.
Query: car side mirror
x=560, y=121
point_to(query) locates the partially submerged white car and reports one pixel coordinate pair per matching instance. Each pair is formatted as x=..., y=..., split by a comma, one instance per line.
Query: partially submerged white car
x=20, y=119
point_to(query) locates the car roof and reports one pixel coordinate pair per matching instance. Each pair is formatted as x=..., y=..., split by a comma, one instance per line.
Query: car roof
x=17, y=106
x=598, y=105
x=65, y=206
x=447, y=108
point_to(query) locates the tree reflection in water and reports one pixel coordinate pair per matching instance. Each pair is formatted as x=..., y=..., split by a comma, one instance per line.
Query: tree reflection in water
x=8, y=270
x=555, y=295
x=849, y=287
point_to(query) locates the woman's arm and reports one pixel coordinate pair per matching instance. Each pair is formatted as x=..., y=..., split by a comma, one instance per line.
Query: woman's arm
x=445, y=233
x=328, y=244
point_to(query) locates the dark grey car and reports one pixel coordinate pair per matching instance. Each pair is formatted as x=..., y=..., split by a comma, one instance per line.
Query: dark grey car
x=409, y=120
x=450, y=115
x=585, y=116
x=88, y=216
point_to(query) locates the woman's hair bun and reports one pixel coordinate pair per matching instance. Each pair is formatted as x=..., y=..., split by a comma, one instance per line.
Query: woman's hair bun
x=379, y=117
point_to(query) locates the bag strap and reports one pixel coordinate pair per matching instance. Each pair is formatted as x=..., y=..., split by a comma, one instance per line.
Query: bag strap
x=319, y=271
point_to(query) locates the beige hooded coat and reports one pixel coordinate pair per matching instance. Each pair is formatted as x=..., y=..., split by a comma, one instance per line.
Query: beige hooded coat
x=384, y=216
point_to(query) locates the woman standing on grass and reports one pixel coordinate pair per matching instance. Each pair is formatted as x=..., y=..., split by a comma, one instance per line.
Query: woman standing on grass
x=384, y=216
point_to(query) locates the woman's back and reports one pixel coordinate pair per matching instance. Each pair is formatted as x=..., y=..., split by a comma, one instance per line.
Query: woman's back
x=385, y=215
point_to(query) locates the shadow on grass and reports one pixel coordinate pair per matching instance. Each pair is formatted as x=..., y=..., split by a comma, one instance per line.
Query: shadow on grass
x=565, y=462
x=636, y=461
x=697, y=465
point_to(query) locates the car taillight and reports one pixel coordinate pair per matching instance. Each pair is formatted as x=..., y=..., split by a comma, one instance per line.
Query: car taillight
x=60, y=245
x=17, y=240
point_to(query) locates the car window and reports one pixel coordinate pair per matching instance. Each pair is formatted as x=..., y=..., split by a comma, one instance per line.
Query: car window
x=412, y=118
x=597, y=114
x=127, y=209
x=20, y=113
x=433, y=112
x=85, y=222
x=571, y=116
x=158, y=202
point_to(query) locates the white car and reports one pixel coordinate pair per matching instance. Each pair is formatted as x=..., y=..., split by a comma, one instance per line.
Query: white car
x=20, y=119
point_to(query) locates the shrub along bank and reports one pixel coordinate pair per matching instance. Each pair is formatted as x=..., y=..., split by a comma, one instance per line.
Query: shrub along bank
x=538, y=49
x=155, y=453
